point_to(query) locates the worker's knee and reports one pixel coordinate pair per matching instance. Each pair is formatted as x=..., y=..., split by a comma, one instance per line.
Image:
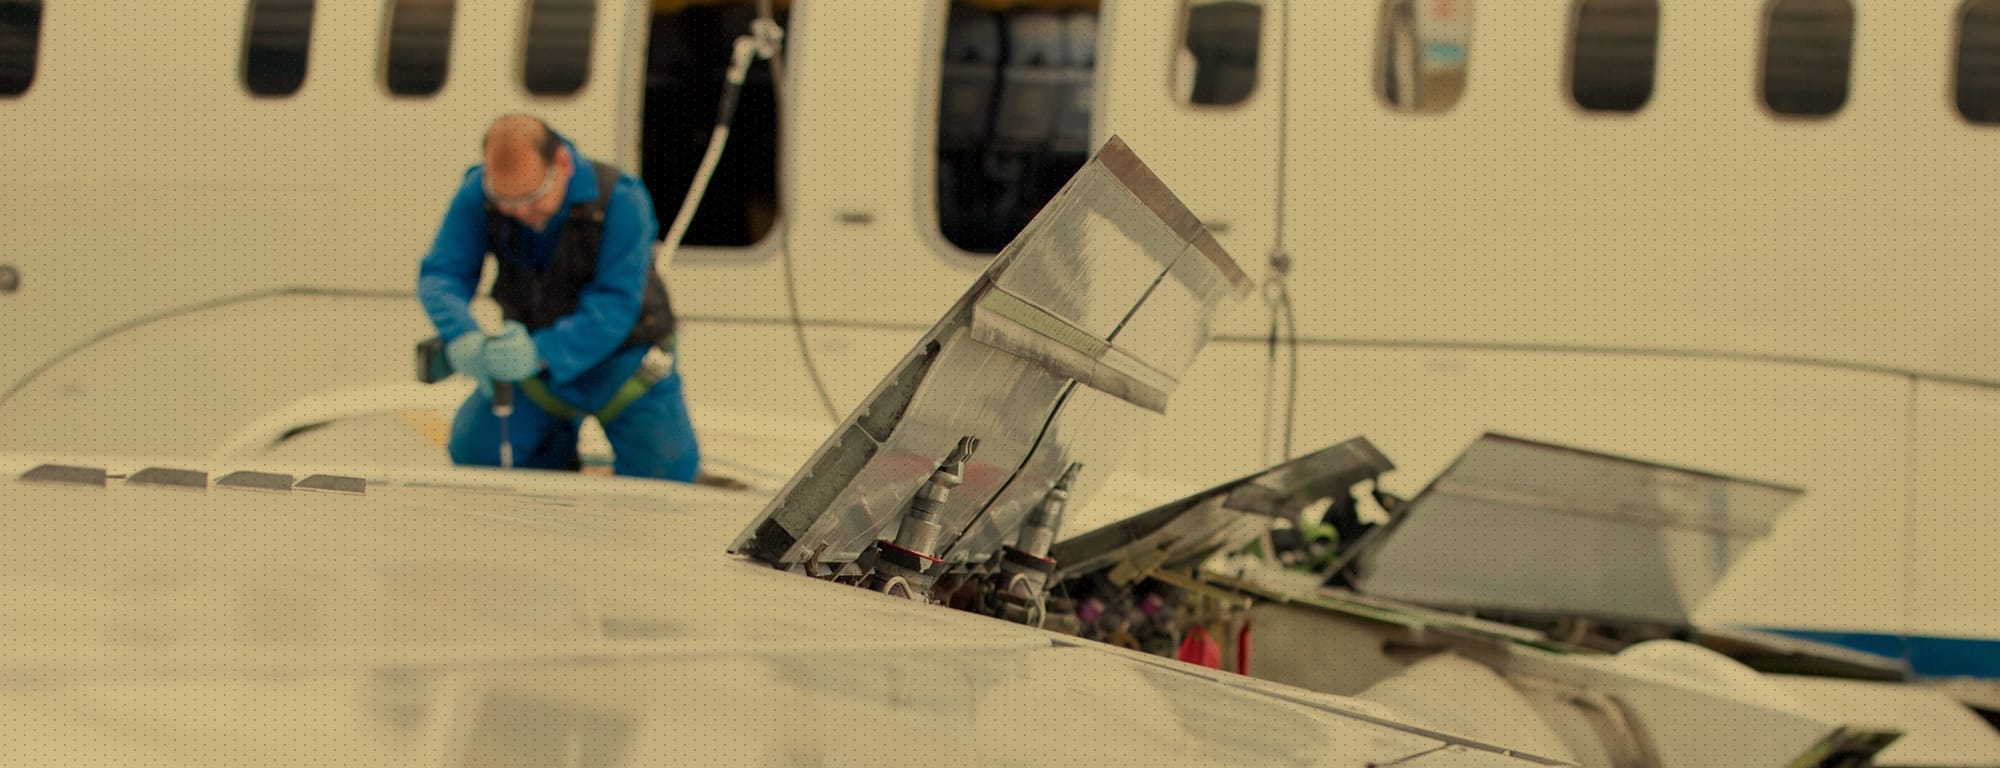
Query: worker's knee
x=466, y=453
x=654, y=438
x=667, y=457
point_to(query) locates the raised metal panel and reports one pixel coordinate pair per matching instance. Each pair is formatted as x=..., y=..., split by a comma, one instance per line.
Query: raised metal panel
x=1062, y=320
x=1525, y=526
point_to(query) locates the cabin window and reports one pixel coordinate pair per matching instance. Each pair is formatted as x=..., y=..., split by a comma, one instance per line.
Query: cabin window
x=419, y=46
x=20, y=42
x=557, y=61
x=275, y=46
x=1976, y=86
x=687, y=56
x=1013, y=115
x=1423, y=54
x=1612, y=54
x=1218, y=65
x=1808, y=47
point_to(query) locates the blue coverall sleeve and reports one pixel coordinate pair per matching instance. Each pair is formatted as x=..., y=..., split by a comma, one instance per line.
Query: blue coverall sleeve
x=449, y=274
x=609, y=305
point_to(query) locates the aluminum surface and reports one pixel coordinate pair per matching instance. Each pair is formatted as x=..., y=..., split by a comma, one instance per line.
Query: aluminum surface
x=1053, y=356
x=1524, y=526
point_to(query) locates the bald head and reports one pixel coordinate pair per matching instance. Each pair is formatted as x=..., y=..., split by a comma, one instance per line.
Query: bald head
x=515, y=138
x=526, y=167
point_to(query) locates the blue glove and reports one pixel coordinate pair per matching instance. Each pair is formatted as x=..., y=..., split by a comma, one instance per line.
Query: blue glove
x=511, y=355
x=466, y=356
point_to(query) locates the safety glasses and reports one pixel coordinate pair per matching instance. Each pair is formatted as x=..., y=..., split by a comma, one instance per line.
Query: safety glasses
x=548, y=183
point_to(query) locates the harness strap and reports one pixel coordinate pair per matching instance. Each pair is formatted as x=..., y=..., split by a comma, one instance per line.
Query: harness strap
x=629, y=392
x=538, y=394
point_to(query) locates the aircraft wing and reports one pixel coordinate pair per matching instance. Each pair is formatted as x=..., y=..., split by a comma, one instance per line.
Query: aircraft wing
x=189, y=612
x=176, y=615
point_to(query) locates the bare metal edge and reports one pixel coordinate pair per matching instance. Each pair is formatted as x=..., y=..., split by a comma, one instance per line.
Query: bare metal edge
x=1702, y=473
x=1145, y=185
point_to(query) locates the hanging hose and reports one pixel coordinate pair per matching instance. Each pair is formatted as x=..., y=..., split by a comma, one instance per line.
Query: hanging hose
x=1276, y=296
x=765, y=41
x=1278, y=299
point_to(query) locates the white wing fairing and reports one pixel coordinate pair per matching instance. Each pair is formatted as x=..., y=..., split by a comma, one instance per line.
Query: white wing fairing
x=1097, y=307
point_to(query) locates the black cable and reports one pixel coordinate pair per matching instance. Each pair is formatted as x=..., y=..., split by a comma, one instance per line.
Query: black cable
x=1292, y=367
x=1281, y=265
x=797, y=321
x=1279, y=299
x=1270, y=382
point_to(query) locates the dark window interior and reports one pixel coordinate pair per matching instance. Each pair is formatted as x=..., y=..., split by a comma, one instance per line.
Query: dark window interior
x=557, y=61
x=686, y=59
x=20, y=44
x=1808, y=47
x=1613, y=54
x=419, y=46
x=275, y=46
x=1223, y=38
x=1013, y=117
x=1976, y=87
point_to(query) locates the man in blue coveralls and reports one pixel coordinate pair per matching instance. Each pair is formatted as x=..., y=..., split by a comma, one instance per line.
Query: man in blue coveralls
x=588, y=328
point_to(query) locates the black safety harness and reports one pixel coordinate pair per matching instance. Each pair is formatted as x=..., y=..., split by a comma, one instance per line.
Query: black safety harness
x=537, y=298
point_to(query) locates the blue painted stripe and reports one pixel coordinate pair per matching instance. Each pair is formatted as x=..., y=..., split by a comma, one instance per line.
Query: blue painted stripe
x=1928, y=656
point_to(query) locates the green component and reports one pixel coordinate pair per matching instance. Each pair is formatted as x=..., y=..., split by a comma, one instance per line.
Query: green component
x=627, y=393
x=543, y=399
